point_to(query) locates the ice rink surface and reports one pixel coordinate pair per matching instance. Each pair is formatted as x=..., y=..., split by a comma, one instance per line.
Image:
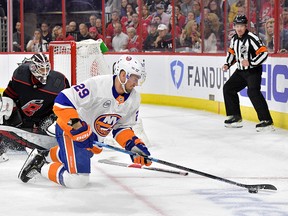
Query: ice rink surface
x=190, y=138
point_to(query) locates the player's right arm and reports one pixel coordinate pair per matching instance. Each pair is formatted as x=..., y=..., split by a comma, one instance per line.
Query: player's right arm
x=65, y=107
x=65, y=110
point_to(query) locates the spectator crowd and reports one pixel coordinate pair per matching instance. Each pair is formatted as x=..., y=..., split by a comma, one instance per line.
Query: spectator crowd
x=165, y=25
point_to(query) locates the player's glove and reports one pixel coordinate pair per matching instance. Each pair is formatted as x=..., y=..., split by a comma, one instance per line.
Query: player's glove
x=6, y=108
x=95, y=149
x=137, y=146
x=83, y=136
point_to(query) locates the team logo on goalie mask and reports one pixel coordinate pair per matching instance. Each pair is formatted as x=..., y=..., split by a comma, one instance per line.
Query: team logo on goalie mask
x=105, y=123
x=128, y=58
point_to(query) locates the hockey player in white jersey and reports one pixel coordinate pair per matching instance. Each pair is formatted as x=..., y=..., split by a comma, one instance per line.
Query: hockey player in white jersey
x=87, y=112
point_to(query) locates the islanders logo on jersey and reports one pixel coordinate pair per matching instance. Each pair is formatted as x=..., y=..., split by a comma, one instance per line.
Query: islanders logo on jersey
x=105, y=123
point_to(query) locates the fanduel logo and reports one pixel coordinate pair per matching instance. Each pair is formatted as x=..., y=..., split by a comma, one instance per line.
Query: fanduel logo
x=274, y=83
x=177, y=72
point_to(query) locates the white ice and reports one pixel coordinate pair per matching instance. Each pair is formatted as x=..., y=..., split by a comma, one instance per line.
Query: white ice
x=191, y=138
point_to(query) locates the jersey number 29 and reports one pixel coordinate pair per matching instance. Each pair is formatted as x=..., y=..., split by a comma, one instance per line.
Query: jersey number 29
x=82, y=91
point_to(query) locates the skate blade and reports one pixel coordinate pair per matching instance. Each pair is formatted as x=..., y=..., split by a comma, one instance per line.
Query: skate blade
x=32, y=174
x=28, y=160
x=234, y=125
x=269, y=128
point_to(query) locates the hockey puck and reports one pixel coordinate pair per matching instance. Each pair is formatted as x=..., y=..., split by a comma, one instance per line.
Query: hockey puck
x=253, y=190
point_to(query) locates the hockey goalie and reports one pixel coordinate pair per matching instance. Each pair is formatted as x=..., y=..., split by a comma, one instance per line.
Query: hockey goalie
x=26, y=113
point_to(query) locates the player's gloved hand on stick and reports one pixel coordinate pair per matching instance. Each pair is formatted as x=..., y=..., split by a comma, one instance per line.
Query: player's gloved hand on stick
x=95, y=149
x=83, y=136
x=6, y=108
x=137, y=146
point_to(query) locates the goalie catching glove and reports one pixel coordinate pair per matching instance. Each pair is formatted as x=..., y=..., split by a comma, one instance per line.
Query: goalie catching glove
x=6, y=108
x=83, y=137
x=135, y=145
x=48, y=124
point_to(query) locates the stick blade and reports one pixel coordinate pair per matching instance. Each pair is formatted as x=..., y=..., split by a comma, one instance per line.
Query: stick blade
x=268, y=187
x=135, y=166
x=261, y=186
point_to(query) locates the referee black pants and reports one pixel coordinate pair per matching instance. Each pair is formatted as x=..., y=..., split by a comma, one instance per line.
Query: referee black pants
x=238, y=81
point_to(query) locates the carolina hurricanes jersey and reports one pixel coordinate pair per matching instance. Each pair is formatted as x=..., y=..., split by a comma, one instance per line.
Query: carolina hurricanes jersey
x=34, y=100
x=99, y=105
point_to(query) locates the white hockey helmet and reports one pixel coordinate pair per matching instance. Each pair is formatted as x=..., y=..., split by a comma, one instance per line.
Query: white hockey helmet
x=131, y=65
x=40, y=67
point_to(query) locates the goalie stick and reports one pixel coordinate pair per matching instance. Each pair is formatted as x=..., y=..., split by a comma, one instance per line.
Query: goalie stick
x=251, y=188
x=138, y=166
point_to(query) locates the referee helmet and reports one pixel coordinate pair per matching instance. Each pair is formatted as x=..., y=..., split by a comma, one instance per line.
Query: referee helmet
x=240, y=19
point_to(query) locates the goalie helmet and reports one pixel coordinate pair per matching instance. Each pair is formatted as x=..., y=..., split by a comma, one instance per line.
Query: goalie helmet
x=40, y=67
x=131, y=65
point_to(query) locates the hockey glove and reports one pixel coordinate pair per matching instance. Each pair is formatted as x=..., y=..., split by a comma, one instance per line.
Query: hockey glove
x=6, y=108
x=48, y=124
x=137, y=146
x=83, y=136
x=95, y=149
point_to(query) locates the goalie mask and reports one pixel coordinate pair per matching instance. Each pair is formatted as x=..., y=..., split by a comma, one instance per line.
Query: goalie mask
x=131, y=65
x=40, y=67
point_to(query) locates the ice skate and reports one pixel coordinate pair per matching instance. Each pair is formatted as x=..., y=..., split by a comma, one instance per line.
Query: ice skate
x=234, y=121
x=32, y=166
x=265, y=125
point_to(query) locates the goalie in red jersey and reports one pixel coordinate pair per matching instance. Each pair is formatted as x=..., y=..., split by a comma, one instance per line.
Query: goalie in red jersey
x=27, y=102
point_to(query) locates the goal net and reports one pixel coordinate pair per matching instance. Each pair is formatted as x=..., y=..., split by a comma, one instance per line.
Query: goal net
x=78, y=61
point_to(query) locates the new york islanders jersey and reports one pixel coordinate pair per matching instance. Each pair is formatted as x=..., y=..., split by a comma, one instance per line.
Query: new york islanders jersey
x=97, y=102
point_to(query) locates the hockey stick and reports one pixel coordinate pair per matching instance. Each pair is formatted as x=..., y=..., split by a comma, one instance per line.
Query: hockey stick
x=251, y=188
x=138, y=166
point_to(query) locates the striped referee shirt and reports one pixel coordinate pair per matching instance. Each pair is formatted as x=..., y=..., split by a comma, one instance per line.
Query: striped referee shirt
x=249, y=47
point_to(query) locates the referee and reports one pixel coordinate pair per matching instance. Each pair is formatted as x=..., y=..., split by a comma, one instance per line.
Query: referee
x=248, y=52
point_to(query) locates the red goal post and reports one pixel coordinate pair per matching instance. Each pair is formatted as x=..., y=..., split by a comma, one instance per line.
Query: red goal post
x=78, y=60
